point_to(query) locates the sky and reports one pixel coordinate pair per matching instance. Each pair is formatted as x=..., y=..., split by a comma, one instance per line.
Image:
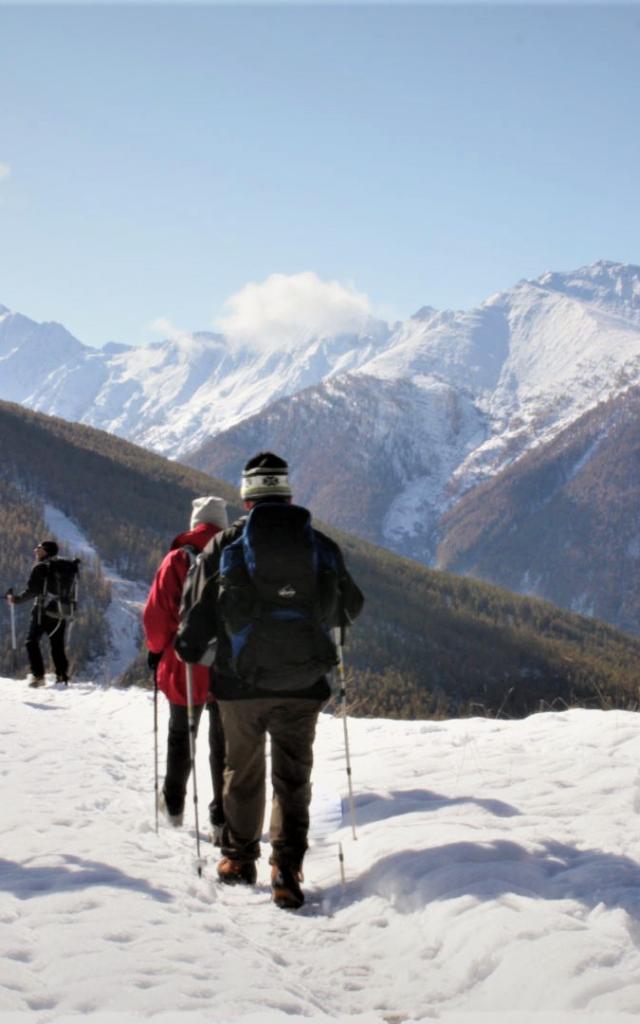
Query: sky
x=160, y=163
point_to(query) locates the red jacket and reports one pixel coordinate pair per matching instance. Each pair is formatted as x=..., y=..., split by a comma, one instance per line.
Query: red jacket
x=160, y=618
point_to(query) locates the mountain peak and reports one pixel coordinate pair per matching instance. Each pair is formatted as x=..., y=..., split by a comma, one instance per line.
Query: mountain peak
x=603, y=281
x=424, y=313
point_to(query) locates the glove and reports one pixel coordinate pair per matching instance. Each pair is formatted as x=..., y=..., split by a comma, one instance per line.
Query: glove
x=153, y=660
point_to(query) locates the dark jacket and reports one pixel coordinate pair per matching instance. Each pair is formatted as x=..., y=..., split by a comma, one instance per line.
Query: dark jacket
x=36, y=584
x=201, y=621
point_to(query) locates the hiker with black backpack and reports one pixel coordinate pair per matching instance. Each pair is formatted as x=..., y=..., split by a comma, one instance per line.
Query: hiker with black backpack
x=268, y=592
x=160, y=621
x=52, y=586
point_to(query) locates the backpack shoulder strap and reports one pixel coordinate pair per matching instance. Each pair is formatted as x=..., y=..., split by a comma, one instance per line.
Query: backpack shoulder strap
x=192, y=553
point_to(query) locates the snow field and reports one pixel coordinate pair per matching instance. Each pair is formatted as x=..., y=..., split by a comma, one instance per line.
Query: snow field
x=495, y=876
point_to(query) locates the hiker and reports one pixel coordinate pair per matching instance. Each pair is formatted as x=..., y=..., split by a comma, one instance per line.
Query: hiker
x=160, y=620
x=269, y=589
x=44, y=616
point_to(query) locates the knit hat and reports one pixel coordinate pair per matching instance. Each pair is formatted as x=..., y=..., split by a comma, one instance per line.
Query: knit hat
x=265, y=476
x=210, y=510
x=50, y=547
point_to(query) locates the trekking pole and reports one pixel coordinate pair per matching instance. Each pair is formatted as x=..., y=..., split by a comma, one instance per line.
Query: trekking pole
x=73, y=602
x=155, y=741
x=192, y=755
x=343, y=702
x=14, y=653
x=343, y=877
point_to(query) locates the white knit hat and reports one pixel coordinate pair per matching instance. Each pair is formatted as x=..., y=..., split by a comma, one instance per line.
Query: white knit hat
x=210, y=510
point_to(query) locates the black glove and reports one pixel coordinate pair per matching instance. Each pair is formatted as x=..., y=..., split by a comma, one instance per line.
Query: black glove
x=153, y=660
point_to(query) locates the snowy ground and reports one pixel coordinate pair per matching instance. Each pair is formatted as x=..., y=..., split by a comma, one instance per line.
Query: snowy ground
x=495, y=877
x=127, y=599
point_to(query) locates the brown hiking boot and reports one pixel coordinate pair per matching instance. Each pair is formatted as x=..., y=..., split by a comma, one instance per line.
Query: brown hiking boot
x=285, y=887
x=234, y=872
x=36, y=681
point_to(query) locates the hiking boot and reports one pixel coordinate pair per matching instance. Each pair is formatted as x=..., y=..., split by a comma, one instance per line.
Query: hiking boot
x=234, y=872
x=216, y=833
x=36, y=681
x=285, y=887
x=173, y=819
x=62, y=679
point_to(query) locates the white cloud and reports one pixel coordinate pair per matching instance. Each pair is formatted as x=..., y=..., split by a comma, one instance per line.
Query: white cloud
x=163, y=326
x=5, y=171
x=286, y=310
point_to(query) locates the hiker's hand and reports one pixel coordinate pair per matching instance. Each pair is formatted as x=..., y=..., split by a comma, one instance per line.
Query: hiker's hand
x=10, y=598
x=153, y=660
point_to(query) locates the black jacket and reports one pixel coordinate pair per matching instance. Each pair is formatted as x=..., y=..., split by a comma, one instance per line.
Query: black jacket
x=201, y=623
x=36, y=584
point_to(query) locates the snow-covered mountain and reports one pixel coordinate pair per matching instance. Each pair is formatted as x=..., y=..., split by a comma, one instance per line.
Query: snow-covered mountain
x=169, y=396
x=371, y=455
x=411, y=416
x=458, y=396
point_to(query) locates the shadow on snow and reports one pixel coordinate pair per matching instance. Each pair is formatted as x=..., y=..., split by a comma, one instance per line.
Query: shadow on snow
x=412, y=879
x=75, y=873
x=372, y=807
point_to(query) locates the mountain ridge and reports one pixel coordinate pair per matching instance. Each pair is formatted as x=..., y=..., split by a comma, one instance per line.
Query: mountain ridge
x=422, y=412
x=201, y=383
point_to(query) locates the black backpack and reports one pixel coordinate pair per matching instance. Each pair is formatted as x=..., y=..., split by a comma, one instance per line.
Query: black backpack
x=278, y=596
x=60, y=593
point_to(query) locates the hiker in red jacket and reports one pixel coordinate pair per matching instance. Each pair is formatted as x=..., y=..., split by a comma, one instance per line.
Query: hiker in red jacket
x=161, y=620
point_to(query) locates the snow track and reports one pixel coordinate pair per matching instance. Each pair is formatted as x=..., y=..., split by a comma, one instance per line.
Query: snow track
x=484, y=848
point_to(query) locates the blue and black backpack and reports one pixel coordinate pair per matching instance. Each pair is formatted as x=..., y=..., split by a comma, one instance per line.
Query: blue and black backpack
x=278, y=597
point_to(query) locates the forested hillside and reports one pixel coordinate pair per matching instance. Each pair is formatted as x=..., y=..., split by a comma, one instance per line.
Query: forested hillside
x=428, y=643
x=562, y=522
x=127, y=500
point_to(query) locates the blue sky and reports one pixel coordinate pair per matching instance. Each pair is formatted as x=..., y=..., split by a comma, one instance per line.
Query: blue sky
x=156, y=159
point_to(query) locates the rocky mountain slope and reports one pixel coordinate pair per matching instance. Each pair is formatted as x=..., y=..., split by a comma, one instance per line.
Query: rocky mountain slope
x=562, y=523
x=386, y=430
x=451, y=400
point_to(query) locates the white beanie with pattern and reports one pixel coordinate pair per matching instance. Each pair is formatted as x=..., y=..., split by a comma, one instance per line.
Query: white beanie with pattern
x=265, y=476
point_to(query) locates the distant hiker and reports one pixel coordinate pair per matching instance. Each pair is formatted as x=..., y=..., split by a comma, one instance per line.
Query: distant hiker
x=50, y=585
x=269, y=589
x=160, y=619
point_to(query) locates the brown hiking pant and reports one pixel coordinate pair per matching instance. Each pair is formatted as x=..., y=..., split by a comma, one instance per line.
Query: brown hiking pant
x=291, y=724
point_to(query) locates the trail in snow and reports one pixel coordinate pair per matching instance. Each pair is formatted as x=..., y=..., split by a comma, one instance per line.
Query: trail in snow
x=127, y=599
x=495, y=872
